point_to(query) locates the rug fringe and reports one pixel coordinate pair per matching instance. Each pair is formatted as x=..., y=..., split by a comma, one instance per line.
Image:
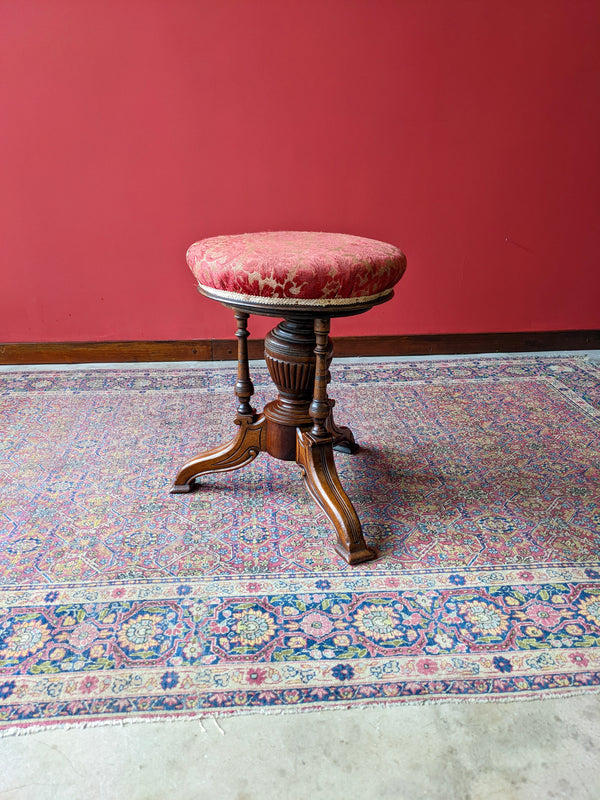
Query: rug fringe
x=201, y=715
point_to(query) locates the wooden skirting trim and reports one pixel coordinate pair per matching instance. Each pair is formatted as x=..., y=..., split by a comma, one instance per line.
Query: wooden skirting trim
x=455, y=343
x=226, y=349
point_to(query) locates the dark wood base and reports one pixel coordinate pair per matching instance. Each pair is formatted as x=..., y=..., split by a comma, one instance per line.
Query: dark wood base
x=297, y=426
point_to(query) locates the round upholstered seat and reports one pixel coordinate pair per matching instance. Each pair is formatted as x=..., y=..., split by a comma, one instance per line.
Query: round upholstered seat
x=296, y=270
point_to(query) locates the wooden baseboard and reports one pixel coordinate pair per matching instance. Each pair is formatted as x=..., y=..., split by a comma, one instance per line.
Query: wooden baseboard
x=226, y=349
x=457, y=343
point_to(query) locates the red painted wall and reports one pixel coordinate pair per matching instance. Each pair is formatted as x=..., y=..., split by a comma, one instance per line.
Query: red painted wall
x=467, y=133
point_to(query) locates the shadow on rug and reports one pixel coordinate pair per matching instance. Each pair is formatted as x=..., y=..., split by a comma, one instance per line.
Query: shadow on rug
x=120, y=601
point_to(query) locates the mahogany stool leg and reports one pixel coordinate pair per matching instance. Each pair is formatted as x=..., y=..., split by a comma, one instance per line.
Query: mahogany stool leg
x=314, y=453
x=250, y=438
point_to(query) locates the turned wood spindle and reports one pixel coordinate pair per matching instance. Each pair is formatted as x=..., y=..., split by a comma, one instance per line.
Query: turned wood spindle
x=244, y=388
x=319, y=408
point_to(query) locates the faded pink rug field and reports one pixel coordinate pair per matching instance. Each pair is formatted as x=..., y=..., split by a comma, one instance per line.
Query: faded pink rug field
x=120, y=601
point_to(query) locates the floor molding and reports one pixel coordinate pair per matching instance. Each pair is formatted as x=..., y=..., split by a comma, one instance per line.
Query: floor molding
x=226, y=349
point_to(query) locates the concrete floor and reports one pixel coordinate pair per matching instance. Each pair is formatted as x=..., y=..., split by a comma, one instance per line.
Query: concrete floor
x=536, y=750
x=466, y=751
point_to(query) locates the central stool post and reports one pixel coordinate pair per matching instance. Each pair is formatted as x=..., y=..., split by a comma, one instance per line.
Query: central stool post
x=290, y=358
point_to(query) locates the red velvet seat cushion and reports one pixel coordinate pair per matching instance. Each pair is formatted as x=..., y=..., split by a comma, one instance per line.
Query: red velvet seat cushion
x=292, y=268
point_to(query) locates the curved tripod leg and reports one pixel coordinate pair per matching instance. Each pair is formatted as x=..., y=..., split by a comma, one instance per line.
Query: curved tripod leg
x=343, y=438
x=315, y=456
x=241, y=450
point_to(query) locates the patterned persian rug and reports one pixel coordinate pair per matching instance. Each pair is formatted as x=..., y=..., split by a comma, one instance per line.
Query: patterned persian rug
x=478, y=482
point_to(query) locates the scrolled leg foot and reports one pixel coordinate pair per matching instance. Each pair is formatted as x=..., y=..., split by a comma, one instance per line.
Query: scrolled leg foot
x=249, y=441
x=315, y=456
